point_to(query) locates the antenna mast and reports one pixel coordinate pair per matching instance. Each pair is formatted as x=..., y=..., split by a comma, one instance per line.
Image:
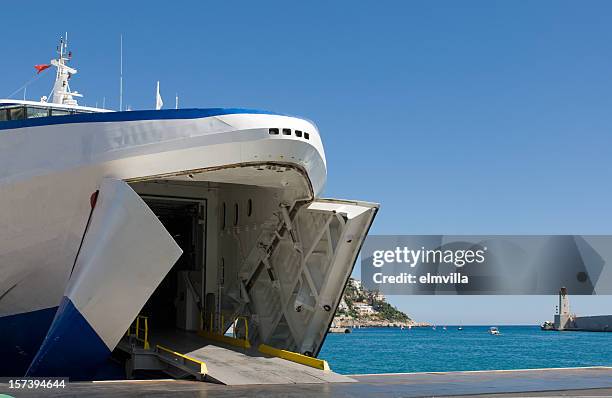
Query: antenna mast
x=121, y=73
x=61, y=89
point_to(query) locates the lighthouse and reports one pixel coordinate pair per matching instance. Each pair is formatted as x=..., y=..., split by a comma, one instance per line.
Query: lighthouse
x=563, y=317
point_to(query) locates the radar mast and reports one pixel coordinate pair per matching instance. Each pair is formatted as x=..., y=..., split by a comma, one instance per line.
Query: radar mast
x=61, y=89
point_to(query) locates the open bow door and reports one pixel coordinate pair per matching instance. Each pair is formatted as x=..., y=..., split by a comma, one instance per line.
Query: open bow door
x=293, y=282
x=125, y=254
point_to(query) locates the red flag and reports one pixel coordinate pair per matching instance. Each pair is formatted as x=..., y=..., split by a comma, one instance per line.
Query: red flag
x=41, y=67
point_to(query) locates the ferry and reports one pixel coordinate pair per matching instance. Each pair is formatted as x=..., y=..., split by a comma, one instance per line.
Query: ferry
x=192, y=218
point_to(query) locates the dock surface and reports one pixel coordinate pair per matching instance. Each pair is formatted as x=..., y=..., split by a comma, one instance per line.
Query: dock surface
x=595, y=381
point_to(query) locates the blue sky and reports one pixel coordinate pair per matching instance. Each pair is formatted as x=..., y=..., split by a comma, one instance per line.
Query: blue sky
x=476, y=117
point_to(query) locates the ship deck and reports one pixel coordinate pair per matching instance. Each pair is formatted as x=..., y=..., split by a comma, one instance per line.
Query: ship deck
x=594, y=381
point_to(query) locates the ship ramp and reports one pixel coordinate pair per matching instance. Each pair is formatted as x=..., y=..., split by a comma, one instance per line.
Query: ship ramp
x=224, y=360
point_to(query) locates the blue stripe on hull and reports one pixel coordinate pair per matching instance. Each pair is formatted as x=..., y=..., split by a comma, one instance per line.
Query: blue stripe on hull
x=20, y=338
x=166, y=114
x=72, y=348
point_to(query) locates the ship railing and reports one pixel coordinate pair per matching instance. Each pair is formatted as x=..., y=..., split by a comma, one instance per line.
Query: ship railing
x=218, y=333
x=139, y=331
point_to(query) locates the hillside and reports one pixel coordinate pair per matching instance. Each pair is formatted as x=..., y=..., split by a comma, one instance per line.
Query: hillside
x=362, y=307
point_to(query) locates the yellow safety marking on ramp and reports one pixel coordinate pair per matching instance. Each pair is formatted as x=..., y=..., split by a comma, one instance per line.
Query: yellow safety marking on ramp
x=203, y=367
x=294, y=357
x=225, y=339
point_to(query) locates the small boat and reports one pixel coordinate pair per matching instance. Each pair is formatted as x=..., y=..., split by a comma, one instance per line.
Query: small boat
x=494, y=331
x=460, y=328
x=444, y=328
x=433, y=327
x=548, y=325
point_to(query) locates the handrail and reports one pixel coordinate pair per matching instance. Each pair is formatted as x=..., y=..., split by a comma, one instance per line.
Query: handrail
x=220, y=335
x=246, y=327
x=137, y=329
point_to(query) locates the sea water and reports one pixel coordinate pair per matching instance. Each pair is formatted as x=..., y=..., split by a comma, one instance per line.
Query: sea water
x=391, y=350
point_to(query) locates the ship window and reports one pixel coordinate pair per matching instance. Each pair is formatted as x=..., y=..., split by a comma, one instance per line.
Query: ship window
x=37, y=112
x=59, y=112
x=298, y=133
x=249, y=207
x=286, y=131
x=3, y=115
x=235, y=213
x=307, y=136
x=273, y=131
x=223, y=214
x=17, y=113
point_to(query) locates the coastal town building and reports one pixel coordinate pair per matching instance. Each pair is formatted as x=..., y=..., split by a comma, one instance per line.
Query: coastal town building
x=377, y=297
x=364, y=308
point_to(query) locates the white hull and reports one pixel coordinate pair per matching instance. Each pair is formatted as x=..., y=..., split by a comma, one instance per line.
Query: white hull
x=100, y=264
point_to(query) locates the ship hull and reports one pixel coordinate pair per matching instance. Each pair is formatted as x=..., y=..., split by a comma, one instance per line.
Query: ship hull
x=22, y=335
x=192, y=218
x=50, y=171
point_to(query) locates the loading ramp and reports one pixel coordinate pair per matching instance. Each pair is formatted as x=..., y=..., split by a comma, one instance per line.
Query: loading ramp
x=232, y=367
x=183, y=354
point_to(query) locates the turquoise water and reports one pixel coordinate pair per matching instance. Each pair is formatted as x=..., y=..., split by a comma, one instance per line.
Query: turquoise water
x=390, y=350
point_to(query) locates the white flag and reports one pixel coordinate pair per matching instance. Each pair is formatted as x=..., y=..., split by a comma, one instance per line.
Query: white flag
x=158, y=99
